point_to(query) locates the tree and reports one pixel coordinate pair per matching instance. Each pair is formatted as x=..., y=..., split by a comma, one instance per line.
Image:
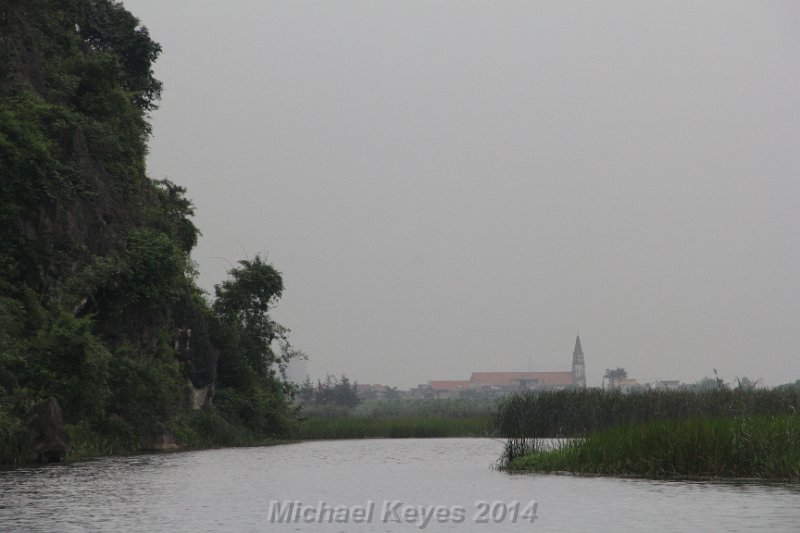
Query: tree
x=305, y=393
x=250, y=371
x=243, y=303
x=337, y=391
x=392, y=393
x=107, y=27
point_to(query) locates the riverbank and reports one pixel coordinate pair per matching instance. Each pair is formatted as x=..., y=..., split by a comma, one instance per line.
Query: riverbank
x=201, y=430
x=760, y=447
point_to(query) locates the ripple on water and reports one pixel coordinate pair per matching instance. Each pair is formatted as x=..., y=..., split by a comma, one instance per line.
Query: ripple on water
x=230, y=490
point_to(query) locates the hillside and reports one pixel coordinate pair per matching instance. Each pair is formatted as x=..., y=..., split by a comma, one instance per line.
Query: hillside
x=100, y=320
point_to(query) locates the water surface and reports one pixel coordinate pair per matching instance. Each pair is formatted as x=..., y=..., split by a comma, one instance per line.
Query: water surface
x=230, y=490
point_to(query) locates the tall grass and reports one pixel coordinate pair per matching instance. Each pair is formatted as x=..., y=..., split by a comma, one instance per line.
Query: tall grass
x=765, y=447
x=406, y=408
x=15, y=441
x=407, y=418
x=572, y=413
x=396, y=428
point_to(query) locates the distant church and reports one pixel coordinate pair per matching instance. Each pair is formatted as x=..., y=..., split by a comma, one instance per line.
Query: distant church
x=578, y=366
x=504, y=382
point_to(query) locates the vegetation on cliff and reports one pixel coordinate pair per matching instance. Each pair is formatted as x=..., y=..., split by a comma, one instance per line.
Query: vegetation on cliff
x=98, y=305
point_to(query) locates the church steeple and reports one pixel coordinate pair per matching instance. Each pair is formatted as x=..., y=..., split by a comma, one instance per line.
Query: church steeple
x=578, y=366
x=578, y=350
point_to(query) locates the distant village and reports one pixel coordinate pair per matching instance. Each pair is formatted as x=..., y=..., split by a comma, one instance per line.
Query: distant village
x=493, y=384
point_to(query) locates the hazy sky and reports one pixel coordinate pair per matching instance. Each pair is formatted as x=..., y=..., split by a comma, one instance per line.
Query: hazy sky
x=455, y=186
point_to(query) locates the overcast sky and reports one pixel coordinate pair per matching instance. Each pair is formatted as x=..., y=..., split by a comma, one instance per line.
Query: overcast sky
x=457, y=186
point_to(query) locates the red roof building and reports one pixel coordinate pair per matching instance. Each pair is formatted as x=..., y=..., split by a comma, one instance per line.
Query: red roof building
x=505, y=382
x=448, y=388
x=521, y=380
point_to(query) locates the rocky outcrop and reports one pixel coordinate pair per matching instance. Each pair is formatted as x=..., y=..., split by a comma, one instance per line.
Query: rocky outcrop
x=49, y=440
x=200, y=397
x=192, y=343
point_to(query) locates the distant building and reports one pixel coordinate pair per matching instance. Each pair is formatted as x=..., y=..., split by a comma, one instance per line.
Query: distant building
x=505, y=382
x=624, y=384
x=449, y=388
x=578, y=366
x=667, y=384
x=508, y=381
x=370, y=392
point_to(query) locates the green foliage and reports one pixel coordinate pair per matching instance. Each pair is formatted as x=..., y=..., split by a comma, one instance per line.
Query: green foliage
x=12, y=327
x=145, y=391
x=107, y=27
x=28, y=151
x=336, y=391
x=765, y=447
x=242, y=305
x=95, y=269
x=250, y=389
x=174, y=213
x=69, y=363
x=30, y=174
x=100, y=279
x=262, y=408
x=207, y=428
x=14, y=440
x=155, y=266
x=108, y=437
x=249, y=294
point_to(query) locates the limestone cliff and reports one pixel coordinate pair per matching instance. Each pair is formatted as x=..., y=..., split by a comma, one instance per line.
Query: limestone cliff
x=97, y=305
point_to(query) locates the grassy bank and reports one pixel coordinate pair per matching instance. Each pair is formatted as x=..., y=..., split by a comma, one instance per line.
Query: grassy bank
x=764, y=447
x=196, y=430
x=417, y=427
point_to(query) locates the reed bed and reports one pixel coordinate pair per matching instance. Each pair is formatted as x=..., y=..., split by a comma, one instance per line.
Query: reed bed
x=410, y=427
x=406, y=408
x=576, y=413
x=762, y=447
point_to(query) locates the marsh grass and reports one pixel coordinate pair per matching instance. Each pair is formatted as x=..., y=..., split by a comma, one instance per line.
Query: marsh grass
x=576, y=413
x=395, y=427
x=405, y=408
x=763, y=447
x=407, y=418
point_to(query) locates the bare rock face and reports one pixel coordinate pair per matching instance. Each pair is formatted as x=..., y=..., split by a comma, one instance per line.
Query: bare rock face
x=192, y=343
x=200, y=397
x=50, y=442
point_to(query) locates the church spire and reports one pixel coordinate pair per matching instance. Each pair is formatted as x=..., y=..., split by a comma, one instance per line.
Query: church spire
x=578, y=366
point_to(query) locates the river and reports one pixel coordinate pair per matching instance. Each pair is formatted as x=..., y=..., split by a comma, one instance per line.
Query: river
x=369, y=485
